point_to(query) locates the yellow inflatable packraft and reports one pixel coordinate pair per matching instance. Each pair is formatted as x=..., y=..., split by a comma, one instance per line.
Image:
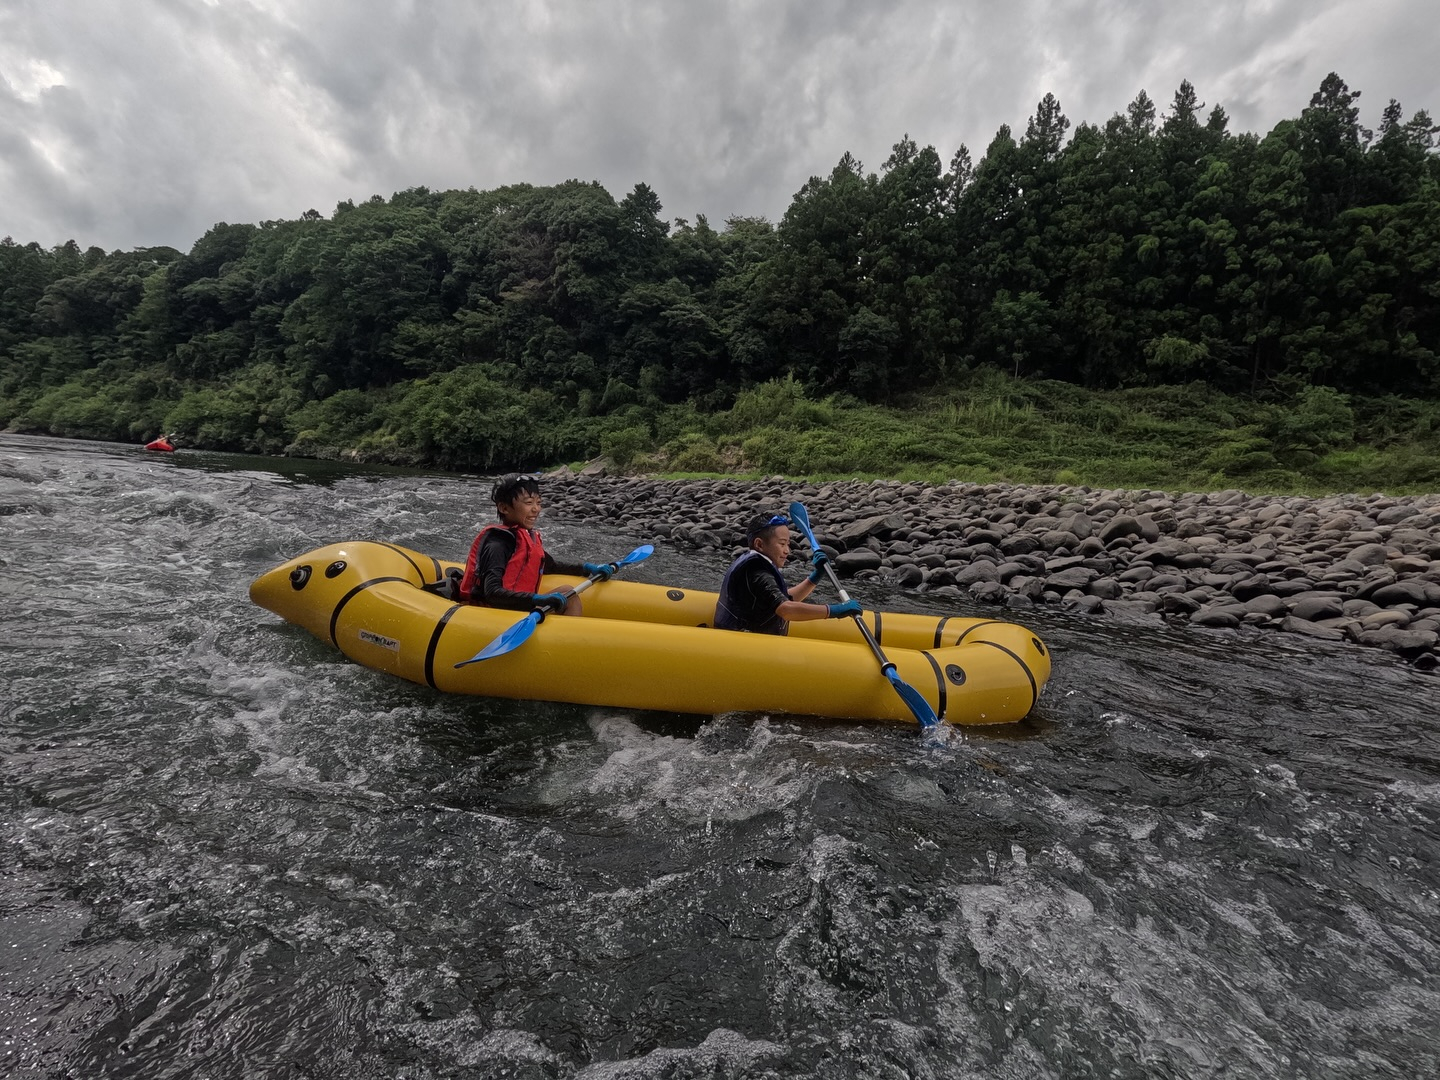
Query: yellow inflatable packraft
x=644, y=646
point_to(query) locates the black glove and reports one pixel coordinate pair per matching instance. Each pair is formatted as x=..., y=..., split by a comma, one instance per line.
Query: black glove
x=550, y=603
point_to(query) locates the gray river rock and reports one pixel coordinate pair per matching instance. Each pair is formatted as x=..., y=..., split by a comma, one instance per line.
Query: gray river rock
x=1363, y=569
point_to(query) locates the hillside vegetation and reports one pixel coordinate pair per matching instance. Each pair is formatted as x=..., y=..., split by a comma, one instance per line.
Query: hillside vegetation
x=1152, y=302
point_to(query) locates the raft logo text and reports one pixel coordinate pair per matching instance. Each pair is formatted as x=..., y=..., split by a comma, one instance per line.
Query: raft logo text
x=381, y=640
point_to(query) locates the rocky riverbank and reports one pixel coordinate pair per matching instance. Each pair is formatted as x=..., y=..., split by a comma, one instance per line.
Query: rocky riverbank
x=1344, y=567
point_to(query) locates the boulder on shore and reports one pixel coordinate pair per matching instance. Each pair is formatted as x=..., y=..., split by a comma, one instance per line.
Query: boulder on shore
x=1342, y=567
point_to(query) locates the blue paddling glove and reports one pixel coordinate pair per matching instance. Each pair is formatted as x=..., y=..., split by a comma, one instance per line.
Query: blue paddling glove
x=818, y=560
x=550, y=603
x=601, y=570
x=844, y=610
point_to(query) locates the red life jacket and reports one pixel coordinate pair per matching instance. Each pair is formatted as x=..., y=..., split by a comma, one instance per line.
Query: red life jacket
x=522, y=572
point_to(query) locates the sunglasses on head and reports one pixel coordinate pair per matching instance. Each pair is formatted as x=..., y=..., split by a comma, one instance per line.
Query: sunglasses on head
x=778, y=519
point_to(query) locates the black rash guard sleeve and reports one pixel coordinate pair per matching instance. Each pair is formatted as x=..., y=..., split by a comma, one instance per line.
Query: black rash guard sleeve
x=552, y=565
x=495, y=552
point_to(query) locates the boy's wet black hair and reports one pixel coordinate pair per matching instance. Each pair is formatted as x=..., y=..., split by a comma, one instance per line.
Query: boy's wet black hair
x=507, y=487
x=761, y=524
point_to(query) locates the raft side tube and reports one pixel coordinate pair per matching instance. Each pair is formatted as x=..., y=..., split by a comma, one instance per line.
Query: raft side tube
x=637, y=601
x=366, y=598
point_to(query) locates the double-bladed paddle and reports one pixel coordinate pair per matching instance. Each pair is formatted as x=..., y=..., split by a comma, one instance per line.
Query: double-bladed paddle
x=520, y=633
x=908, y=694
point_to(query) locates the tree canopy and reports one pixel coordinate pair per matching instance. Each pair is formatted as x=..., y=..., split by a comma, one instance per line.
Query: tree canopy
x=1158, y=247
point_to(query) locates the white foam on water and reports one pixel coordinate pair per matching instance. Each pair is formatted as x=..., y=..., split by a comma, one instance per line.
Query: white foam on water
x=722, y=1053
x=913, y=789
x=306, y=727
x=1033, y=943
x=1077, y=816
x=1236, y=915
x=1140, y=828
x=1427, y=794
x=464, y=1041
x=631, y=773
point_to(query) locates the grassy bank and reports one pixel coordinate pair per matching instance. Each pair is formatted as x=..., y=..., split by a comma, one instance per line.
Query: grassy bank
x=984, y=426
x=994, y=428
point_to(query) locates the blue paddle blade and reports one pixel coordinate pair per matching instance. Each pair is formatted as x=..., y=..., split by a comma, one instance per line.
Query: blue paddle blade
x=509, y=641
x=801, y=518
x=642, y=552
x=912, y=697
x=520, y=633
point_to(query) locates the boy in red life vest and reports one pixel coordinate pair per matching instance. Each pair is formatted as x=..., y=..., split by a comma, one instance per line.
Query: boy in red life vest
x=506, y=560
x=755, y=597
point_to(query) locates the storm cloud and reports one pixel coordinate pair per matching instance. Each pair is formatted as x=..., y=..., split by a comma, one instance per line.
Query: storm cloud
x=143, y=123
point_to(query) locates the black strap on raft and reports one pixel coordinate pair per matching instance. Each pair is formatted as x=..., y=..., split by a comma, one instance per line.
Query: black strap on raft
x=448, y=586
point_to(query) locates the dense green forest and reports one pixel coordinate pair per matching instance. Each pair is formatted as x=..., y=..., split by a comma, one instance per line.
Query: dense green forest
x=1163, y=299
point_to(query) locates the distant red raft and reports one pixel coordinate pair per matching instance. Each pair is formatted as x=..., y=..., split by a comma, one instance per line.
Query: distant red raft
x=161, y=443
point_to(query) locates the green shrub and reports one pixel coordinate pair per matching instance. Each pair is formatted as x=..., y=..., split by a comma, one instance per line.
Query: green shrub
x=622, y=447
x=693, y=453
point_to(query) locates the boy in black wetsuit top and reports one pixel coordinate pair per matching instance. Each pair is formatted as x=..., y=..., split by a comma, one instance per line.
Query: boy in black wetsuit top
x=754, y=595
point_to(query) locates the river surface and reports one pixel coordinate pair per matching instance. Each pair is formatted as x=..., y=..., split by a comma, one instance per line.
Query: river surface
x=227, y=851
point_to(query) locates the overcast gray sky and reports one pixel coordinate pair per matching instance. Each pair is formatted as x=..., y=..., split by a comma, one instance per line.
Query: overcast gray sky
x=131, y=123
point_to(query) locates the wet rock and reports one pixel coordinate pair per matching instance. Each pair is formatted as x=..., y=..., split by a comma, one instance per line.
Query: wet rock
x=849, y=563
x=1268, y=605
x=1179, y=604
x=1105, y=588
x=1076, y=577
x=1385, y=617
x=1136, y=611
x=1313, y=608
x=1118, y=526
x=1310, y=629
x=1219, y=615
x=1396, y=639
x=975, y=572
x=1370, y=554
x=1323, y=567
x=857, y=532
x=1393, y=514
x=1251, y=586
x=1412, y=591
x=909, y=576
x=989, y=592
